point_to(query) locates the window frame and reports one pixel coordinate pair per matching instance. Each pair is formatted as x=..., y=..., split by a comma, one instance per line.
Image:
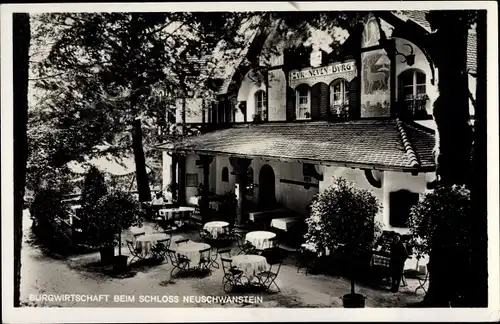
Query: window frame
x=260, y=96
x=344, y=94
x=414, y=85
x=298, y=105
x=225, y=174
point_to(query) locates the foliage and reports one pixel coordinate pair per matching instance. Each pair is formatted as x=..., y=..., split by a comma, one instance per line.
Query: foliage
x=343, y=216
x=48, y=214
x=94, y=188
x=441, y=219
x=113, y=213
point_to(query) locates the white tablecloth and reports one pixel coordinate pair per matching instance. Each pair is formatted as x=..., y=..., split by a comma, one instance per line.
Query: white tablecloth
x=175, y=213
x=250, y=264
x=284, y=223
x=312, y=248
x=191, y=250
x=260, y=239
x=216, y=228
x=194, y=201
x=145, y=242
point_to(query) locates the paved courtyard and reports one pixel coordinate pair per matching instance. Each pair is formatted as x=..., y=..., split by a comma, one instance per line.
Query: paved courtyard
x=43, y=274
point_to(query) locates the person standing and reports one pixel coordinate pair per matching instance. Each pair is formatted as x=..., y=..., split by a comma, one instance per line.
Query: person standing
x=398, y=259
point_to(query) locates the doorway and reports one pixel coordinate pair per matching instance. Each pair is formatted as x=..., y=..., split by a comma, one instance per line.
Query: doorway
x=267, y=194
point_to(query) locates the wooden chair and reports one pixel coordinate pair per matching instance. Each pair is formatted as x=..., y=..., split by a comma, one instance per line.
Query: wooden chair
x=164, y=245
x=205, y=260
x=179, y=262
x=204, y=234
x=225, y=251
x=232, y=276
x=134, y=251
x=244, y=246
x=267, y=278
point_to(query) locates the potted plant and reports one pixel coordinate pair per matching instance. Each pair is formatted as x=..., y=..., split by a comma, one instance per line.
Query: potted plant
x=342, y=219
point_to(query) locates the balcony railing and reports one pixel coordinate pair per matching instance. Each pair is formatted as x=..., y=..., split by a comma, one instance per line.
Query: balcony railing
x=413, y=107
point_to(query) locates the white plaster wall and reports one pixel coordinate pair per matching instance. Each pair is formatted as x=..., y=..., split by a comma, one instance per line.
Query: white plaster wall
x=422, y=64
x=277, y=95
x=357, y=176
x=191, y=167
x=247, y=93
x=166, y=164
x=223, y=187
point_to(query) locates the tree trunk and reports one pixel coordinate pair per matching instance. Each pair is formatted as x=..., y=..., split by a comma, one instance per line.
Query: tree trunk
x=479, y=257
x=451, y=113
x=21, y=43
x=140, y=163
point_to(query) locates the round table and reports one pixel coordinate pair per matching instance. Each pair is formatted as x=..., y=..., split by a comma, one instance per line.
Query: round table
x=260, y=239
x=216, y=228
x=191, y=250
x=145, y=242
x=250, y=264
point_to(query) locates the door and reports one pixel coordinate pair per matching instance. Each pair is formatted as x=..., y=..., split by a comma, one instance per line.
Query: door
x=267, y=195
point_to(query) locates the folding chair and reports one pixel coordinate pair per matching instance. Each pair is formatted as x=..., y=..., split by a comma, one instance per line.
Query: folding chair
x=134, y=251
x=178, y=262
x=204, y=234
x=232, y=275
x=268, y=278
x=164, y=245
x=205, y=260
x=244, y=246
x=225, y=251
x=179, y=242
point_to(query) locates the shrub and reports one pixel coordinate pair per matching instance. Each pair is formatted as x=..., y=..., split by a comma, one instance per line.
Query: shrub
x=94, y=188
x=343, y=216
x=441, y=219
x=48, y=213
x=112, y=213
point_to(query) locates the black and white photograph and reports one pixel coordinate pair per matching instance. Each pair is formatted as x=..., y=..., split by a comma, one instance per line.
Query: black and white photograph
x=248, y=161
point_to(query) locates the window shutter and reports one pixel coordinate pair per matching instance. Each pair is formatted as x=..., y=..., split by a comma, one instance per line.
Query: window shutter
x=324, y=101
x=354, y=107
x=315, y=101
x=290, y=104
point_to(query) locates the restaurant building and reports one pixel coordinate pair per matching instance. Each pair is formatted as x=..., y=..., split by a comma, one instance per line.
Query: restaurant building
x=278, y=135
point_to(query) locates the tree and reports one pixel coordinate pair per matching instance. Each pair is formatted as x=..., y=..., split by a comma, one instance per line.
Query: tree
x=94, y=188
x=21, y=44
x=342, y=218
x=114, y=62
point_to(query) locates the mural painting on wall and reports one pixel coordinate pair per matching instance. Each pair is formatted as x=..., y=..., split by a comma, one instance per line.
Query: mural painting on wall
x=371, y=33
x=375, y=78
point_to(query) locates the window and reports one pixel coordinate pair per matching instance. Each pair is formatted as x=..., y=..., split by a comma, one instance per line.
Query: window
x=260, y=103
x=339, y=96
x=411, y=84
x=192, y=180
x=399, y=207
x=225, y=174
x=250, y=185
x=303, y=95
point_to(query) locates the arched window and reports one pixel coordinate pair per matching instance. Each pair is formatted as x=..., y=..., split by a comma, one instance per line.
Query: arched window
x=303, y=97
x=339, y=96
x=411, y=84
x=250, y=184
x=225, y=174
x=260, y=104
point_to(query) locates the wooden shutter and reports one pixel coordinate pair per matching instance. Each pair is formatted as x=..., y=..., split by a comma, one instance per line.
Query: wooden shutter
x=315, y=101
x=354, y=107
x=290, y=104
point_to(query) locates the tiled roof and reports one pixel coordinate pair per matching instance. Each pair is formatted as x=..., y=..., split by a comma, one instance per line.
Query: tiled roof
x=376, y=143
x=472, y=52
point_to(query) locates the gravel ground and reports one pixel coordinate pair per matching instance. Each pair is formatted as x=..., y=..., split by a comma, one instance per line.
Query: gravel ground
x=44, y=275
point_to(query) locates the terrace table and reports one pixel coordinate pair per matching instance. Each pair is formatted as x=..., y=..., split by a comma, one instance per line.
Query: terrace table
x=284, y=223
x=145, y=242
x=216, y=228
x=260, y=239
x=250, y=264
x=191, y=250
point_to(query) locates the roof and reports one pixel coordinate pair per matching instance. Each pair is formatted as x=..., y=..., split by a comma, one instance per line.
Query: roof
x=383, y=144
x=472, y=52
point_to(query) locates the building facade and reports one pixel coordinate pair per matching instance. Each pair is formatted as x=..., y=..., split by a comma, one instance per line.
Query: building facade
x=281, y=133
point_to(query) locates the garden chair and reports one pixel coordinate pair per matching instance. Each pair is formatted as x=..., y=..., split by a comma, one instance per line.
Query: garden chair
x=164, y=245
x=225, y=251
x=306, y=259
x=274, y=259
x=204, y=234
x=232, y=276
x=244, y=246
x=135, y=252
x=183, y=241
x=179, y=262
x=205, y=260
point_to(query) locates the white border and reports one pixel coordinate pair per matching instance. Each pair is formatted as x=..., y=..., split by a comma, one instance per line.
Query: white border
x=48, y=315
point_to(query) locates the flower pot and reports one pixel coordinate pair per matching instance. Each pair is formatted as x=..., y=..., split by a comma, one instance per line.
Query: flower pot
x=120, y=263
x=353, y=301
x=107, y=254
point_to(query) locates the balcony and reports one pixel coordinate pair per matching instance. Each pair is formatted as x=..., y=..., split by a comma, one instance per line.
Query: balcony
x=413, y=107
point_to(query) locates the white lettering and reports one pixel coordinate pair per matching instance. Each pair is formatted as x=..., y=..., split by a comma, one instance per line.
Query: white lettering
x=320, y=71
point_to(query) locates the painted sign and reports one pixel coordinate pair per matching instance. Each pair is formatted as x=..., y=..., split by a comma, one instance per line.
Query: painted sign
x=324, y=70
